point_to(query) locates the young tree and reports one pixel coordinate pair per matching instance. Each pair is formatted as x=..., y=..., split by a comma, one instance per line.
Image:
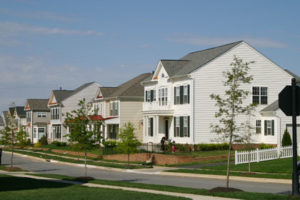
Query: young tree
x=8, y=138
x=81, y=135
x=128, y=142
x=230, y=106
x=286, y=139
x=22, y=137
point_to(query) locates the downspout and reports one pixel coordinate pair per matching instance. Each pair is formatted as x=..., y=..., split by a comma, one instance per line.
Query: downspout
x=31, y=123
x=193, y=99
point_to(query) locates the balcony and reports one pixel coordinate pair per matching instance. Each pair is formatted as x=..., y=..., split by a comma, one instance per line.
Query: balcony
x=155, y=107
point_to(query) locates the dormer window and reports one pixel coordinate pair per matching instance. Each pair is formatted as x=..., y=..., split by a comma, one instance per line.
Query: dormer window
x=162, y=75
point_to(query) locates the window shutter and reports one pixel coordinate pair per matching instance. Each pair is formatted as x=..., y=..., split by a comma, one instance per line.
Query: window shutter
x=146, y=96
x=181, y=94
x=151, y=126
x=181, y=126
x=272, y=127
x=175, y=96
x=188, y=126
x=265, y=127
x=151, y=95
x=188, y=93
x=175, y=127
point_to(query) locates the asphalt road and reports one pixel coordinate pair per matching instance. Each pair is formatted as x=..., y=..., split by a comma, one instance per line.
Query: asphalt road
x=55, y=168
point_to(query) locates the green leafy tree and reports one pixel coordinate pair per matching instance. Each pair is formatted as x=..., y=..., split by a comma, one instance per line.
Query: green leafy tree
x=81, y=135
x=128, y=142
x=230, y=105
x=22, y=137
x=286, y=139
x=8, y=137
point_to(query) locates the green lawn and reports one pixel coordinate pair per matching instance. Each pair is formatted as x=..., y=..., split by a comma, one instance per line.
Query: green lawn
x=28, y=189
x=239, y=195
x=280, y=168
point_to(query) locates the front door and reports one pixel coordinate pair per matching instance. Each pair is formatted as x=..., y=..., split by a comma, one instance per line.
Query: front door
x=167, y=128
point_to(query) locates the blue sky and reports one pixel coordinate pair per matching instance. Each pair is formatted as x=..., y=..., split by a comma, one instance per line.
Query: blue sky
x=48, y=44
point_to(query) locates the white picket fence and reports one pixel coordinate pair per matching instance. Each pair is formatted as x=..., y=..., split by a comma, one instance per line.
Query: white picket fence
x=263, y=154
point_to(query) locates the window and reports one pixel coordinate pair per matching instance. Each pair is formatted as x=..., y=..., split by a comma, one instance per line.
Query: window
x=258, y=126
x=101, y=113
x=150, y=95
x=182, y=126
x=182, y=94
x=150, y=127
x=96, y=108
x=269, y=127
x=260, y=95
x=114, y=108
x=163, y=96
x=41, y=114
x=55, y=113
x=28, y=117
x=57, y=131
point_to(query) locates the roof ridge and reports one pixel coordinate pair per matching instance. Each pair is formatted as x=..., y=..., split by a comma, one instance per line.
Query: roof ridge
x=237, y=42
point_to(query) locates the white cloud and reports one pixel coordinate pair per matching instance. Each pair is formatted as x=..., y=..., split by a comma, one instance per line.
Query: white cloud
x=214, y=41
x=11, y=28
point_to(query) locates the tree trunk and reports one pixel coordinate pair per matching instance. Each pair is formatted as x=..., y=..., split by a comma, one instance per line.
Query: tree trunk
x=12, y=150
x=85, y=168
x=249, y=158
x=228, y=162
x=128, y=158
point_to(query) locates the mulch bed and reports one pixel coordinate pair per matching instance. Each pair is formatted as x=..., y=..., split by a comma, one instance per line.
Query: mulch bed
x=13, y=169
x=224, y=189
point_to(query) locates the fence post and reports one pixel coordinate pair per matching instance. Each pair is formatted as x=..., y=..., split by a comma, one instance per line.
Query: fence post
x=278, y=151
x=235, y=155
x=257, y=155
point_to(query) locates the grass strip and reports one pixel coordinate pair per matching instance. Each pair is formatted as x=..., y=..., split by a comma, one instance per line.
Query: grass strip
x=233, y=173
x=238, y=195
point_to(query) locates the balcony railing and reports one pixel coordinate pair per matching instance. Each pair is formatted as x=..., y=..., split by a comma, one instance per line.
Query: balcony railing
x=155, y=105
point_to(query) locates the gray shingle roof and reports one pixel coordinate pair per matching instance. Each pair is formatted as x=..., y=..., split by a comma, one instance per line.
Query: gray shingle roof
x=131, y=88
x=20, y=111
x=107, y=91
x=272, y=107
x=195, y=60
x=293, y=75
x=1, y=121
x=38, y=104
x=60, y=95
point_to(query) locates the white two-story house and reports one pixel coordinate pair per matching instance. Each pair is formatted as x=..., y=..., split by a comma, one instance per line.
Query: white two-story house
x=177, y=101
x=63, y=101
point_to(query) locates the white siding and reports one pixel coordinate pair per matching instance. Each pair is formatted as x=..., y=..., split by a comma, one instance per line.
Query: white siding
x=209, y=80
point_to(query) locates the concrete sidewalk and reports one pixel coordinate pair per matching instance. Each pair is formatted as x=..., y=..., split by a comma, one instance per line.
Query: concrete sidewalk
x=175, y=194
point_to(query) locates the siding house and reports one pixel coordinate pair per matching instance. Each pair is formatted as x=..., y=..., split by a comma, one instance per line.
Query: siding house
x=63, y=101
x=177, y=101
x=120, y=105
x=20, y=117
x=37, y=118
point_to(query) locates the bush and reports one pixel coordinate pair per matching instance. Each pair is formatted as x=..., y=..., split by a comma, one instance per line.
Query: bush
x=211, y=147
x=59, y=144
x=109, y=144
x=286, y=139
x=265, y=146
x=43, y=140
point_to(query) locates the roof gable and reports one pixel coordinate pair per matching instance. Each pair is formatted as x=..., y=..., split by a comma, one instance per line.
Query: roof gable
x=37, y=105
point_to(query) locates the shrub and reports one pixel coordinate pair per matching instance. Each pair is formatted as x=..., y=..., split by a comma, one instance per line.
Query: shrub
x=211, y=147
x=286, y=139
x=43, y=140
x=59, y=144
x=265, y=146
x=110, y=144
